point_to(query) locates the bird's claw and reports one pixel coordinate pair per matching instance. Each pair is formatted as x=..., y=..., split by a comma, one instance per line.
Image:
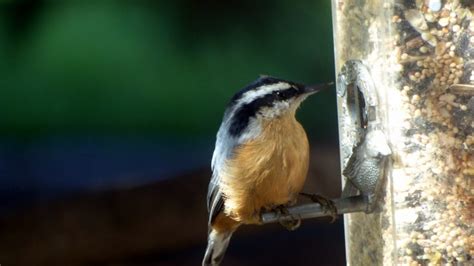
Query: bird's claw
x=326, y=204
x=290, y=224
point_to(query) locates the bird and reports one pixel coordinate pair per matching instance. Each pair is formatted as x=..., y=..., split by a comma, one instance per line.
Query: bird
x=260, y=159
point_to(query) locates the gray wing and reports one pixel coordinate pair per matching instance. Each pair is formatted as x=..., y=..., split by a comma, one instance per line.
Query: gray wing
x=225, y=145
x=215, y=201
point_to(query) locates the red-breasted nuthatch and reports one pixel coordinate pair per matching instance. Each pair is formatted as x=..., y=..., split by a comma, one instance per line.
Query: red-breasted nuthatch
x=260, y=160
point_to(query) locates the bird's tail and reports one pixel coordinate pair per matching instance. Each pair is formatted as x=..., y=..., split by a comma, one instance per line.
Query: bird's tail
x=217, y=243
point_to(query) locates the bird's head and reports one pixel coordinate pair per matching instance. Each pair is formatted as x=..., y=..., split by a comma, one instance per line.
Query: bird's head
x=266, y=98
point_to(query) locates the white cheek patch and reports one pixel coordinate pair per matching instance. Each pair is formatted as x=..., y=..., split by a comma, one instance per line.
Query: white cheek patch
x=277, y=109
x=254, y=128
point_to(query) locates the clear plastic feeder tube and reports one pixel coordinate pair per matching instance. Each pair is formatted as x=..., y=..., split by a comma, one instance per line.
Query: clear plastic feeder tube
x=420, y=54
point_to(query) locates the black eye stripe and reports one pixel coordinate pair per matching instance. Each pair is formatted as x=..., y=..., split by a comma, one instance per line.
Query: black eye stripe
x=287, y=94
x=243, y=114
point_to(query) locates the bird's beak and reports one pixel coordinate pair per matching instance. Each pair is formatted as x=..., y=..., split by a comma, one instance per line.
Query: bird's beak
x=311, y=89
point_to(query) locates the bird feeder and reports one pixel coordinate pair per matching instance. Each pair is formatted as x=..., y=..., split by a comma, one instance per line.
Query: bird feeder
x=405, y=91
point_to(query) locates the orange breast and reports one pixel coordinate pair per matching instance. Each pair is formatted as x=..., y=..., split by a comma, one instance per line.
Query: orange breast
x=267, y=171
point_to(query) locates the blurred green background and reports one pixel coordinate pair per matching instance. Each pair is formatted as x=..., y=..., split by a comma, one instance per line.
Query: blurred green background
x=108, y=116
x=99, y=93
x=154, y=67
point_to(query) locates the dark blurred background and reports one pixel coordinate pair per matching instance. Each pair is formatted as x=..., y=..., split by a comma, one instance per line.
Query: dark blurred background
x=108, y=115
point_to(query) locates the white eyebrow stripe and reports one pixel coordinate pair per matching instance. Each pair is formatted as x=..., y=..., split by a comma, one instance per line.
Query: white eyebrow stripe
x=263, y=90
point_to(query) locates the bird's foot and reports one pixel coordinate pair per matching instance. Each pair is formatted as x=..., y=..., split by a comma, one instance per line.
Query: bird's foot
x=290, y=223
x=326, y=204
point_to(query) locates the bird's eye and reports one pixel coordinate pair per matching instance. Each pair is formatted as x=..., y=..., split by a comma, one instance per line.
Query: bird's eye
x=278, y=95
x=286, y=94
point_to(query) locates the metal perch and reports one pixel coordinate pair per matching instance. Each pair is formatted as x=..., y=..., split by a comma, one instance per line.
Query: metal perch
x=313, y=210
